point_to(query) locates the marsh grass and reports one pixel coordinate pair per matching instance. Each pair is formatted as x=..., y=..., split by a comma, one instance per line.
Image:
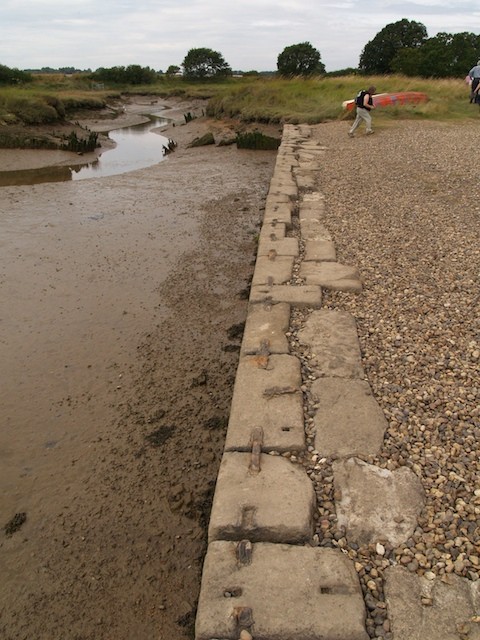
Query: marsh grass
x=249, y=99
x=320, y=99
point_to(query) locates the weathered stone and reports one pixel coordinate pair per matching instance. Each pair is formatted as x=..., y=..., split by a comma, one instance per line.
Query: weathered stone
x=377, y=504
x=313, y=196
x=333, y=340
x=287, y=592
x=331, y=275
x=305, y=179
x=452, y=610
x=273, y=230
x=312, y=229
x=277, y=270
x=265, y=329
x=267, y=395
x=320, y=250
x=281, y=247
x=274, y=504
x=298, y=296
x=279, y=211
x=348, y=420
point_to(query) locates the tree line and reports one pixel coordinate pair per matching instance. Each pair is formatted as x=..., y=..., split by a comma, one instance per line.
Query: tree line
x=400, y=47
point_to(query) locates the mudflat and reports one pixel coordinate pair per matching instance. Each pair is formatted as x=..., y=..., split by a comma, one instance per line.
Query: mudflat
x=122, y=307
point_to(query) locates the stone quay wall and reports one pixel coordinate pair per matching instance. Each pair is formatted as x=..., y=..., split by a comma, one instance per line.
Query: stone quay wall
x=303, y=417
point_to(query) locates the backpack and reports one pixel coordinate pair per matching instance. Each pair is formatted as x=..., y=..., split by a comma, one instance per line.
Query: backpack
x=359, y=98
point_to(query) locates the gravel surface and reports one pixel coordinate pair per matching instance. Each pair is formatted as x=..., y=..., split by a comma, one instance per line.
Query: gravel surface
x=404, y=207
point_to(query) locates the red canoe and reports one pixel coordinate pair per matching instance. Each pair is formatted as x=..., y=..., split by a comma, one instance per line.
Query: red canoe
x=392, y=99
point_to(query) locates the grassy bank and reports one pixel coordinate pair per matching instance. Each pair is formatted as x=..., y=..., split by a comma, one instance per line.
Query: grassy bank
x=54, y=98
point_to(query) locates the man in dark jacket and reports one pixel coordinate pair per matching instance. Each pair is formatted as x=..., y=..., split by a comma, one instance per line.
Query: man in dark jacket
x=364, y=102
x=474, y=74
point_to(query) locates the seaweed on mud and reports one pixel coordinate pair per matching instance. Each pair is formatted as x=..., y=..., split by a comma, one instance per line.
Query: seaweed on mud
x=158, y=437
x=235, y=332
x=231, y=348
x=15, y=523
x=216, y=422
x=187, y=621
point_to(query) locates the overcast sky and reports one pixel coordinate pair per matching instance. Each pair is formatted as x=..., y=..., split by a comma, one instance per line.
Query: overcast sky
x=248, y=33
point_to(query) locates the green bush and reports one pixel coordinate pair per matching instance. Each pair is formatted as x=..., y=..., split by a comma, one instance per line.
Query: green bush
x=257, y=140
x=81, y=145
x=203, y=140
x=32, y=110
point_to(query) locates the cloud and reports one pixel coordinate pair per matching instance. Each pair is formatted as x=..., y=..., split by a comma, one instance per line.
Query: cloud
x=249, y=33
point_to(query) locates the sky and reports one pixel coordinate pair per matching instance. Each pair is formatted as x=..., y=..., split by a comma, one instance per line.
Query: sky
x=88, y=34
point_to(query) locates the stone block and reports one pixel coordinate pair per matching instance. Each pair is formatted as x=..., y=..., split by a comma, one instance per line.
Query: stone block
x=272, y=504
x=284, y=592
x=311, y=212
x=273, y=270
x=265, y=329
x=267, y=395
x=313, y=196
x=298, y=296
x=331, y=275
x=320, y=251
x=377, y=504
x=285, y=187
x=348, y=421
x=333, y=340
x=281, y=247
x=312, y=229
x=273, y=231
x=279, y=212
x=305, y=179
x=435, y=609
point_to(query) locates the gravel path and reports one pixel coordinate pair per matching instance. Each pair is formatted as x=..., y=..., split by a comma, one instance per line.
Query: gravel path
x=404, y=207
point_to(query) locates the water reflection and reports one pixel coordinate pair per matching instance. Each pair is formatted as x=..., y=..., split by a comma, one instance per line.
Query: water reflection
x=136, y=147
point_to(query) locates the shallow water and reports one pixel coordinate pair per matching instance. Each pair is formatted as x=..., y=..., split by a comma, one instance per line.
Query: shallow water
x=137, y=147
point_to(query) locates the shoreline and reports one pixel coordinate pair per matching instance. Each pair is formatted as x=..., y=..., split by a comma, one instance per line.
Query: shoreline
x=122, y=291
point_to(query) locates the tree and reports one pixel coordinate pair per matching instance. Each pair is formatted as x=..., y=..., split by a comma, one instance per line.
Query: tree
x=444, y=56
x=133, y=74
x=378, y=54
x=13, y=76
x=172, y=70
x=203, y=63
x=449, y=55
x=300, y=60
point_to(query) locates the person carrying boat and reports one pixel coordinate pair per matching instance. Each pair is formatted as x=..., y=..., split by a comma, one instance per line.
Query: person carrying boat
x=364, y=104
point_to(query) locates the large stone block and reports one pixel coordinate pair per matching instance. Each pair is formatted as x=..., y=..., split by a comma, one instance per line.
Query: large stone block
x=265, y=329
x=377, y=504
x=297, y=296
x=275, y=270
x=348, y=421
x=271, y=502
x=267, y=395
x=283, y=592
x=273, y=230
x=421, y=609
x=278, y=211
x=331, y=275
x=278, y=247
x=333, y=340
x=312, y=229
x=320, y=250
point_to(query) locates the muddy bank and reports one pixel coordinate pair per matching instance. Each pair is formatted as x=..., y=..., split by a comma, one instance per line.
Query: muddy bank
x=119, y=350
